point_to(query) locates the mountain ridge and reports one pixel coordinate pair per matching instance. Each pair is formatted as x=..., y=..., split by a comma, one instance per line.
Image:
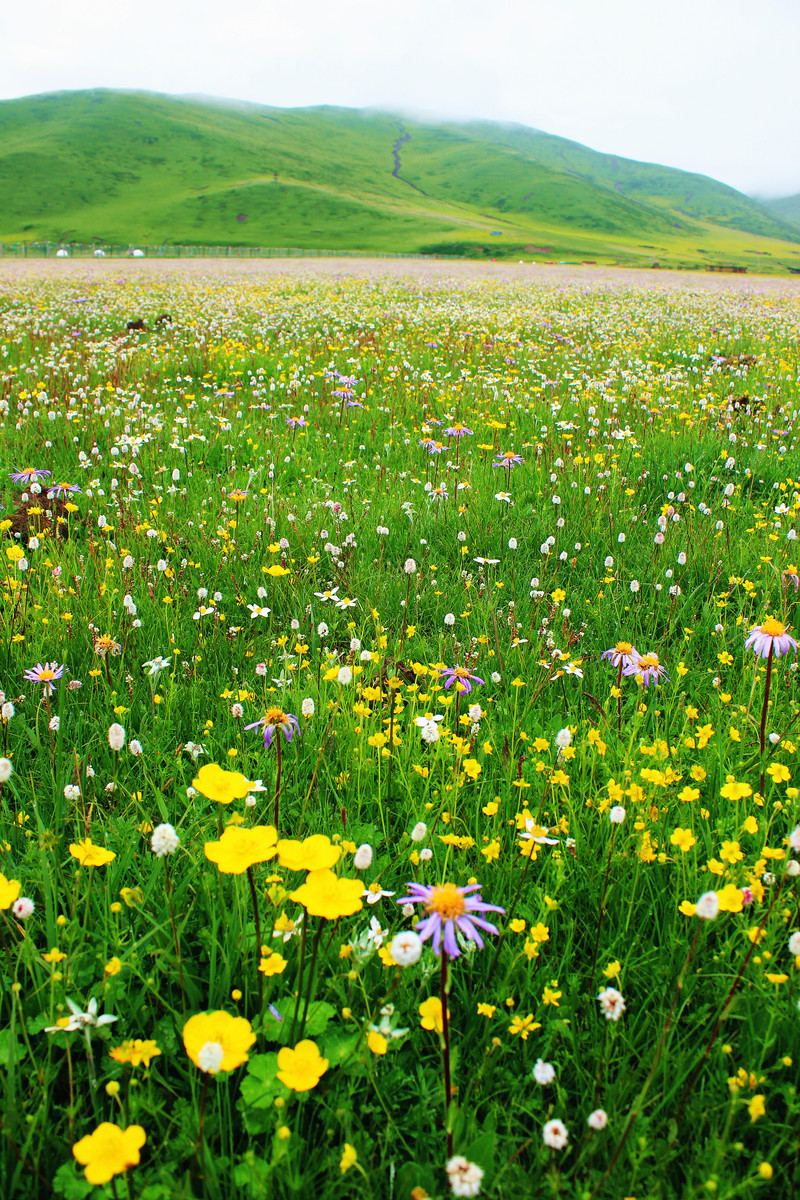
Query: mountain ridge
x=122, y=166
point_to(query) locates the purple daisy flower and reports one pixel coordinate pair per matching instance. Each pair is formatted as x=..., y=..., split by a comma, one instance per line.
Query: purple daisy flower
x=276, y=718
x=624, y=653
x=647, y=669
x=449, y=907
x=46, y=674
x=770, y=637
x=508, y=460
x=461, y=674
x=62, y=489
x=458, y=431
x=29, y=475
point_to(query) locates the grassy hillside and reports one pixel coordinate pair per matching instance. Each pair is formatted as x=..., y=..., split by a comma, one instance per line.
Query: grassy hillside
x=786, y=209
x=120, y=167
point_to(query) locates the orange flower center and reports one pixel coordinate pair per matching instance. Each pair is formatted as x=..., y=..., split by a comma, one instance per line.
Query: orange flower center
x=773, y=628
x=460, y=672
x=447, y=901
x=275, y=716
x=624, y=647
x=649, y=660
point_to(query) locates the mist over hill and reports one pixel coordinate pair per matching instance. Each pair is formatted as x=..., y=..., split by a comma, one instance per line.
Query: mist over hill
x=130, y=167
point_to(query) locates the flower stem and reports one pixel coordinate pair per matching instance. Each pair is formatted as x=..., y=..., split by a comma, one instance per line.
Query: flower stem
x=446, y=1052
x=299, y=977
x=763, y=726
x=257, y=920
x=312, y=965
x=175, y=933
x=277, y=778
x=602, y=914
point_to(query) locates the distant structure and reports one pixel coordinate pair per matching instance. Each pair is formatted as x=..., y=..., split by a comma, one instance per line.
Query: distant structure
x=727, y=268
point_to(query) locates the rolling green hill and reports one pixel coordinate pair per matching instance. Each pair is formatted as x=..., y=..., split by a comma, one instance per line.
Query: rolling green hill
x=786, y=209
x=127, y=167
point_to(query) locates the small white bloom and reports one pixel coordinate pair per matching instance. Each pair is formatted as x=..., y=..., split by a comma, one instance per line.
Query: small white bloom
x=135, y=747
x=344, y=675
x=209, y=1057
x=563, y=738
x=363, y=857
x=598, y=1119
x=449, y=619
x=307, y=707
x=425, y=854
x=707, y=906
x=495, y=677
x=406, y=948
x=612, y=1004
x=417, y=833
x=164, y=840
x=116, y=736
x=53, y=724
x=72, y=792
x=23, y=908
x=410, y=567
x=543, y=1072
x=617, y=815
x=794, y=944
x=465, y=1177
x=555, y=1135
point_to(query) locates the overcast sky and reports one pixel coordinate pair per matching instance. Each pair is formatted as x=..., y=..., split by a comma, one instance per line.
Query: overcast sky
x=706, y=85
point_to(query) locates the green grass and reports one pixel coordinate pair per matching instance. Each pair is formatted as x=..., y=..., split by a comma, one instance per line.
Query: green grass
x=645, y=509
x=119, y=167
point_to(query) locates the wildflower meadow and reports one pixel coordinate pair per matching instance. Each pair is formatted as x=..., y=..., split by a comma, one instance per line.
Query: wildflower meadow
x=399, y=724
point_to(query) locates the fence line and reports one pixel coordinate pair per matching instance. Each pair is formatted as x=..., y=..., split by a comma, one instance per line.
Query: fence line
x=101, y=250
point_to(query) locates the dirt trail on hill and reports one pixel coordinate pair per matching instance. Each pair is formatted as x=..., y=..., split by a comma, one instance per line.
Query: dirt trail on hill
x=435, y=271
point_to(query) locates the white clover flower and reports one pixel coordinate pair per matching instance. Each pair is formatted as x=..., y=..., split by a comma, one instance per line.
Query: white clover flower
x=707, y=906
x=495, y=676
x=344, y=676
x=164, y=840
x=419, y=831
x=465, y=1177
x=555, y=1135
x=794, y=944
x=23, y=908
x=426, y=854
x=116, y=736
x=406, y=948
x=363, y=857
x=410, y=567
x=563, y=738
x=72, y=792
x=612, y=1004
x=135, y=747
x=449, y=619
x=617, y=815
x=597, y=1119
x=307, y=707
x=543, y=1072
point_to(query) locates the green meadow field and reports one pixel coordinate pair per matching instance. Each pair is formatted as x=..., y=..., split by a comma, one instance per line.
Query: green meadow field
x=111, y=167
x=399, y=777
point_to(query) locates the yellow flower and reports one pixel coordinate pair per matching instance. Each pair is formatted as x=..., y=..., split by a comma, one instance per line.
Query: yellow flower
x=240, y=848
x=735, y=791
x=492, y=851
x=109, y=1151
x=472, y=768
x=223, y=786
x=765, y=1170
x=377, y=1042
x=430, y=1012
x=756, y=1107
x=487, y=1010
x=9, y=891
x=316, y=853
x=730, y=899
x=551, y=997
x=136, y=1052
x=730, y=852
x=524, y=1026
x=216, y=1041
x=89, y=855
x=684, y=839
x=55, y=956
x=302, y=1068
x=349, y=1158
x=688, y=794
x=325, y=895
x=113, y=966
x=540, y=933
x=612, y=971
x=779, y=773
x=273, y=964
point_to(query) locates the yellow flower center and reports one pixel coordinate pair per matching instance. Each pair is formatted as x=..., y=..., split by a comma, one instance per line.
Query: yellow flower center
x=45, y=675
x=447, y=901
x=773, y=628
x=275, y=716
x=649, y=660
x=460, y=672
x=623, y=647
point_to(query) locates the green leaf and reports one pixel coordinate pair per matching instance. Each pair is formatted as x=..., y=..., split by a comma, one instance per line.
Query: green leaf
x=9, y=1047
x=68, y=1183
